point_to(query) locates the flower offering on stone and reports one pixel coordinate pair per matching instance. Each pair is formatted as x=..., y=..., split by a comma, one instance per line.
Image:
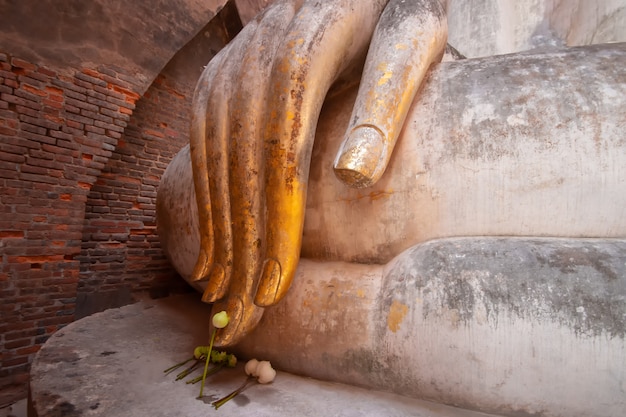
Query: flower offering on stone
x=259, y=371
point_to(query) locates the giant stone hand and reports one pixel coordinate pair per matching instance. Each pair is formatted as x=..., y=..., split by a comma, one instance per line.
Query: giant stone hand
x=255, y=111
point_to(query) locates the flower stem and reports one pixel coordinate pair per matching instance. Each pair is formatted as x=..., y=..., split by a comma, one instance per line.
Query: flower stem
x=211, y=372
x=178, y=365
x=188, y=370
x=208, y=359
x=217, y=404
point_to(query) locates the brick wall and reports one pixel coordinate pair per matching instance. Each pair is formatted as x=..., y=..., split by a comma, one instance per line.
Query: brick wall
x=82, y=152
x=81, y=157
x=120, y=255
x=57, y=132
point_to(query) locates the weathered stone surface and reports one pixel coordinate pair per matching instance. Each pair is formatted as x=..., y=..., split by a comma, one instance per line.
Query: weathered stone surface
x=492, y=27
x=512, y=326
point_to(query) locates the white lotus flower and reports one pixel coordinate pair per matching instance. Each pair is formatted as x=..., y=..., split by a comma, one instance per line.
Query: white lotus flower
x=265, y=373
x=261, y=370
x=251, y=366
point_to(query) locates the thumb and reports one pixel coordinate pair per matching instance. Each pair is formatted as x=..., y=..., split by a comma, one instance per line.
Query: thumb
x=409, y=37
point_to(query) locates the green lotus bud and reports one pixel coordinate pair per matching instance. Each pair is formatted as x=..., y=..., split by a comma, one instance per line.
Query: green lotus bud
x=220, y=320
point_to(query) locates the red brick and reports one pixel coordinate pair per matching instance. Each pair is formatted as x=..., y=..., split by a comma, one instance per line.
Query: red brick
x=42, y=122
x=25, y=110
x=23, y=93
x=59, y=151
x=34, y=90
x=14, y=344
x=55, y=321
x=81, y=104
x=11, y=234
x=9, y=174
x=8, y=363
x=42, y=178
x=68, y=86
x=90, y=78
x=20, y=63
x=36, y=139
x=31, y=76
x=10, y=98
x=109, y=92
x=53, y=104
x=28, y=350
x=79, y=119
x=52, y=223
x=11, y=83
x=25, y=126
x=74, y=125
x=48, y=72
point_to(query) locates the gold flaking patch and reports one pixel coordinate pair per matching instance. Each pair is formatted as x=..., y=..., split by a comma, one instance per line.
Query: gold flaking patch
x=385, y=77
x=397, y=312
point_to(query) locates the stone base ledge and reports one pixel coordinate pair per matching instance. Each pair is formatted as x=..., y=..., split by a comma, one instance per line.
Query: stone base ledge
x=111, y=364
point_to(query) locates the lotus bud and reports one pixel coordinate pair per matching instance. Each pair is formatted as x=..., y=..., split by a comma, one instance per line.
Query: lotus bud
x=220, y=320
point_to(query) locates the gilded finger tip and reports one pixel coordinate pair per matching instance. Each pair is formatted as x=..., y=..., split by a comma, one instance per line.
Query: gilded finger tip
x=198, y=274
x=361, y=160
x=228, y=335
x=242, y=320
x=216, y=287
x=268, y=289
x=201, y=269
x=353, y=178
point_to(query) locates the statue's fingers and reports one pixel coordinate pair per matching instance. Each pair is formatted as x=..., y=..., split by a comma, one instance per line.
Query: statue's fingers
x=197, y=143
x=322, y=40
x=247, y=115
x=410, y=36
x=218, y=147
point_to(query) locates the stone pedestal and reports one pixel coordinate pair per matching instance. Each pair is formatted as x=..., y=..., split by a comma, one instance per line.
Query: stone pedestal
x=111, y=364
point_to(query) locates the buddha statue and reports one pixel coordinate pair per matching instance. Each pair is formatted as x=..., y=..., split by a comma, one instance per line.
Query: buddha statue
x=255, y=113
x=424, y=198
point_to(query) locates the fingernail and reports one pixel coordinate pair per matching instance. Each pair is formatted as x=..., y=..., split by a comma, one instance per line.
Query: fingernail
x=234, y=308
x=201, y=268
x=268, y=284
x=215, y=288
x=361, y=160
x=244, y=317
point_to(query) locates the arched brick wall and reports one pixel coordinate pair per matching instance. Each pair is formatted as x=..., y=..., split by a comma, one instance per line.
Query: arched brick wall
x=57, y=133
x=81, y=155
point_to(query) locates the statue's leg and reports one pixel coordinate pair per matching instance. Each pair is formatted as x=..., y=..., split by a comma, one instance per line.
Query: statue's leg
x=322, y=40
x=402, y=50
